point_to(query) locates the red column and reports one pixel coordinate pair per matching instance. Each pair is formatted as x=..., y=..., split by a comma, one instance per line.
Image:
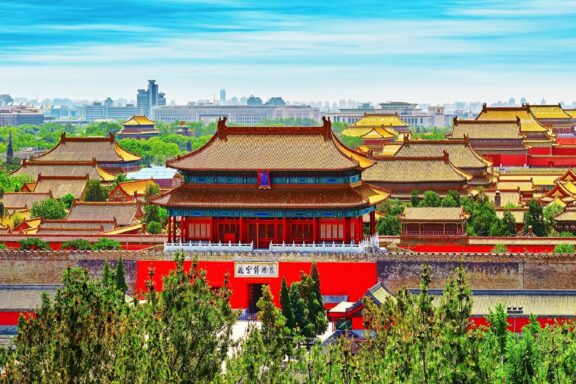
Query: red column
x=241, y=230
x=212, y=230
x=168, y=229
x=372, y=222
x=284, y=230
x=174, y=229
x=315, y=229
x=346, y=230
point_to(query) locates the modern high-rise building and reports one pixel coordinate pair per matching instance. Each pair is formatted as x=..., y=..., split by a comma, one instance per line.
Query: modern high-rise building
x=148, y=98
x=222, y=96
x=108, y=102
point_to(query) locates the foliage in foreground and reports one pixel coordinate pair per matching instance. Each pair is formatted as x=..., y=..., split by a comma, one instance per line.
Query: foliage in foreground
x=90, y=334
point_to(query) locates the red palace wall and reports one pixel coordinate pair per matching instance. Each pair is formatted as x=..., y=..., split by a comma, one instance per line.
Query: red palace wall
x=11, y=318
x=473, y=248
x=352, y=279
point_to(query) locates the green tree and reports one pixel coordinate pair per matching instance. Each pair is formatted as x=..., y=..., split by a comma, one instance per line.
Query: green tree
x=448, y=201
x=34, y=243
x=388, y=226
x=107, y=244
x=153, y=212
x=151, y=191
x=49, y=209
x=80, y=244
x=287, y=305
x=549, y=213
x=94, y=191
x=67, y=200
x=534, y=218
x=431, y=199
x=415, y=198
x=120, y=276
x=154, y=227
x=509, y=223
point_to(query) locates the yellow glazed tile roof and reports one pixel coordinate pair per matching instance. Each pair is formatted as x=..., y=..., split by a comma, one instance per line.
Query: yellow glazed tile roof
x=414, y=169
x=461, y=154
x=571, y=112
x=524, y=185
x=380, y=120
x=370, y=133
x=528, y=122
x=486, y=129
x=433, y=214
x=549, y=112
x=138, y=120
x=138, y=186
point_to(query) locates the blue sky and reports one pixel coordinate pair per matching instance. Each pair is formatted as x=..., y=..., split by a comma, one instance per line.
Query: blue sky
x=424, y=51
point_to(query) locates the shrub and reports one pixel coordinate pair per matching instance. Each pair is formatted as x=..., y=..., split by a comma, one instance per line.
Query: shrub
x=564, y=248
x=566, y=234
x=33, y=243
x=67, y=200
x=80, y=244
x=499, y=248
x=154, y=227
x=108, y=244
x=50, y=209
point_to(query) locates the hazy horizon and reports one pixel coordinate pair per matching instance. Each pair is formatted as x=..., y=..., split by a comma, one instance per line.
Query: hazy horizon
x=418, y=51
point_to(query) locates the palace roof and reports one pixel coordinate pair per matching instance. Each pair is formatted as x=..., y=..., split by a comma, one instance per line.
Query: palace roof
x=380, y=120
x=462, y=155
x=517, y=184
x=22, y=200
x=507, y=197
x=125, y=213
x=63, y=168
x=103, y=149
x=486, y=129
x=287, y=197
x=272, y=149
x=370, y=132
x=77, y=227
x=571, y=113
x=567, y=215
x=433, y=214
x=136, y=120
x=414, y=169
x=528, y=122
x=517, y=213
x=553, y=111
x=61, y=185
x=136, y=186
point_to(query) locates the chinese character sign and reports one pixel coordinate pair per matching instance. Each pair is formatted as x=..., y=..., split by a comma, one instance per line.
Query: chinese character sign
x=255, y=269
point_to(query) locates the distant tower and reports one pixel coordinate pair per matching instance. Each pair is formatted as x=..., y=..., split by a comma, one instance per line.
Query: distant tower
x=146, y=99
x=223, y=96
x=108, y=103
x=9, y=149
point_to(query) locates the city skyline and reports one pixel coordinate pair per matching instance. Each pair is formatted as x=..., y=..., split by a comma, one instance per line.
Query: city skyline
x=421, y=51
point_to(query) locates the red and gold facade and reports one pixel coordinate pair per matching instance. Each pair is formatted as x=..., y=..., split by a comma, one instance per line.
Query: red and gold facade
x=263, y=185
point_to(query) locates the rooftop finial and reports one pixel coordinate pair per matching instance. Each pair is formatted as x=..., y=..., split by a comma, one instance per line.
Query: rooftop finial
x=446, y=157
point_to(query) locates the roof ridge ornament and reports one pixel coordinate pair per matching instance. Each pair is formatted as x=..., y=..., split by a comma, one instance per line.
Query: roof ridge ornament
x=446, y=157
x=221, y=128
x=327, y=125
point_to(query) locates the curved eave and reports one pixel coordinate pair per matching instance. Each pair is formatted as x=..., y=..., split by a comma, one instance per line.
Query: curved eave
x=124, y=154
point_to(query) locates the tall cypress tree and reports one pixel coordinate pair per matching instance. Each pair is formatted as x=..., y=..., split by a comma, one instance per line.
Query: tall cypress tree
x=9, y=149
x=287, y=305
x=120, y=278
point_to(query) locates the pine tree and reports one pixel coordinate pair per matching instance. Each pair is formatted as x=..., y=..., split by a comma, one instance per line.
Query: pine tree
x=287, y=305
x=120, y=276
x=9, y=149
